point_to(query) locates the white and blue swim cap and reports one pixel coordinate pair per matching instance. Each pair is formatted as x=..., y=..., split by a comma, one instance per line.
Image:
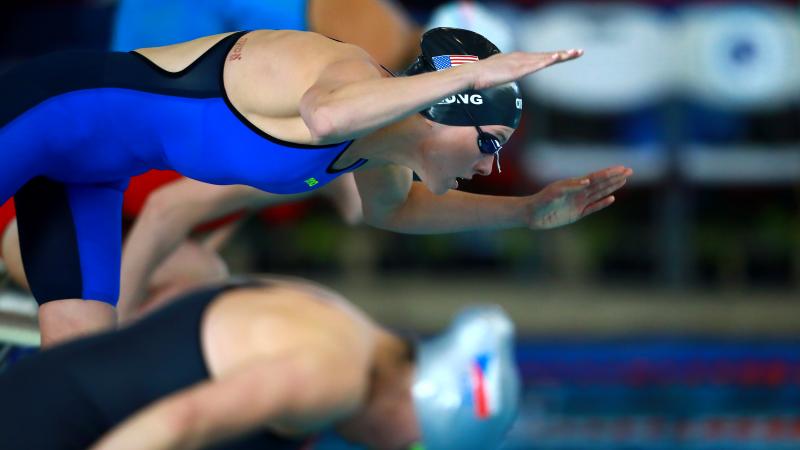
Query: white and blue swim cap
x=466, y=385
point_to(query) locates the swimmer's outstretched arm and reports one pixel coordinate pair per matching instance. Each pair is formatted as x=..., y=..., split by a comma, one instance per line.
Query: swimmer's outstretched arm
x=351, y=98
x=391, y=201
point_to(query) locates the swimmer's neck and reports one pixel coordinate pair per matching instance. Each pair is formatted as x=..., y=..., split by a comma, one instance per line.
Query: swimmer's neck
x=392, y=372
x=387, y=395
x=399, y=144
x=393, y=359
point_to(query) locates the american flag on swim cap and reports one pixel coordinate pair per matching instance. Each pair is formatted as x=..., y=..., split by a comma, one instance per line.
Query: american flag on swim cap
x=447, y=61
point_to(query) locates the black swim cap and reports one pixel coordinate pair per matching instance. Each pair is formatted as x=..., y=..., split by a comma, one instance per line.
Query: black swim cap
x=449, y=47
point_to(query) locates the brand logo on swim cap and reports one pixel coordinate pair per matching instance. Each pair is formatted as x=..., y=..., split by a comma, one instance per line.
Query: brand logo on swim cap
x=466, y=99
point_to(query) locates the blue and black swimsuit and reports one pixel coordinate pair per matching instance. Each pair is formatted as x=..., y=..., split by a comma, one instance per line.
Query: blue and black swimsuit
x=75, y=126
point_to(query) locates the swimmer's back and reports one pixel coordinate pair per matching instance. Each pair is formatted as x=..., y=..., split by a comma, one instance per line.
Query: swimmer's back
x=278, y=316
x=266, y=73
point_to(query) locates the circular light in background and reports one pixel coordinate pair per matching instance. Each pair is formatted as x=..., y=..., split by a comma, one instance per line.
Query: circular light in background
x=629, y=60
x=742, y=56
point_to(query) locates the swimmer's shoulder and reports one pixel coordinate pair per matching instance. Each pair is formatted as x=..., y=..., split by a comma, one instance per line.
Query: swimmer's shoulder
x=276, y=45
x=283, y=309
x=284, y=315
x=294, y=328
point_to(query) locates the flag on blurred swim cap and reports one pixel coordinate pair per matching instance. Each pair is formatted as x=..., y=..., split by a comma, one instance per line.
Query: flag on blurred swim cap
x=446, y=61
x=483, y=386
x=466, y=384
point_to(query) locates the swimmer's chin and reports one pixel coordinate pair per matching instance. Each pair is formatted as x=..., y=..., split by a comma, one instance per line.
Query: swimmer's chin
x=442, y=187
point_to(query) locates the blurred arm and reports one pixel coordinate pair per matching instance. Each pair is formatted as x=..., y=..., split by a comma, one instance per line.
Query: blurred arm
x=380, y=27
x=168, y=216
x=173, y=211
x=211, y=411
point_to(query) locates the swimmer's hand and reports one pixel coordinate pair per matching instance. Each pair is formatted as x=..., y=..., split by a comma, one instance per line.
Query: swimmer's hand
x=567, y=201
x=505, y=67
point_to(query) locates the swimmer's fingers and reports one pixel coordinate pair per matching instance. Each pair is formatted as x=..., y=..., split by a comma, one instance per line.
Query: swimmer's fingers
x=605, y=189
x=573, y=185
x=533, y=62
x=565, y=55
x=505, y=67
x=610, y=172
x=598, y=205
x=607, y=181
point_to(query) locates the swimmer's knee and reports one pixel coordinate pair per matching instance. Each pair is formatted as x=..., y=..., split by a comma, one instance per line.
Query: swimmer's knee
x=65, y=319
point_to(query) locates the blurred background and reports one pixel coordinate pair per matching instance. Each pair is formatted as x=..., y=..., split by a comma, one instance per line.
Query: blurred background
x=670, y=320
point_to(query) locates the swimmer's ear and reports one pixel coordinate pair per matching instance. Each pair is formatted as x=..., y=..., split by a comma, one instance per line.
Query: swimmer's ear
x=411, y=341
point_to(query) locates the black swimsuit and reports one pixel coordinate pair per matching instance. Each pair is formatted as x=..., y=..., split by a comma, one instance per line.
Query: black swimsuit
x=69, y=396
